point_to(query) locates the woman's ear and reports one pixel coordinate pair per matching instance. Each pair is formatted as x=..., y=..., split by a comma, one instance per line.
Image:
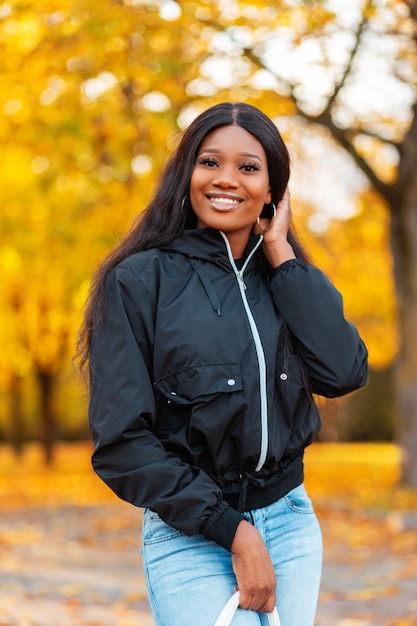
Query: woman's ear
x=268, y=198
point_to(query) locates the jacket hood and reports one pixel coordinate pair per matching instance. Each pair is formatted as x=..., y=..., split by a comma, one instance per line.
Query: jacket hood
x=201, y=245
x=206, y=244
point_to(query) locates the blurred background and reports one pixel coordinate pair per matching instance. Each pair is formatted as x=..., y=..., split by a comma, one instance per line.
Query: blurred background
x=93, y=97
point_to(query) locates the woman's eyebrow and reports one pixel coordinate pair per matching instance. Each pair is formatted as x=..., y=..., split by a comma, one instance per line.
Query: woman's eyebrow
x=245, y=154
x=252, y=155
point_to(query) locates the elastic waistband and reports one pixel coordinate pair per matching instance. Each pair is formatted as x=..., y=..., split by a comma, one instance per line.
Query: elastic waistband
x=247, y=495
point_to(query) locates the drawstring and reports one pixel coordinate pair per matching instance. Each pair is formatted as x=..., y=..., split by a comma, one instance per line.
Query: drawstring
x=242, y=495
x=206, y=282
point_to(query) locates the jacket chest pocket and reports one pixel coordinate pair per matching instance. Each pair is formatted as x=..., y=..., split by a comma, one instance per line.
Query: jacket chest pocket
x=199, y=382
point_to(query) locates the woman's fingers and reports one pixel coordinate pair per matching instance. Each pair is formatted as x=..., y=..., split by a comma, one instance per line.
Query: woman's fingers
x=253, y=569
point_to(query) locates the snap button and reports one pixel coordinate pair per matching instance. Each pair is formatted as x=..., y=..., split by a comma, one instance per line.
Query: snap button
x=173, y=393
x=283, y=376
x=231, y=382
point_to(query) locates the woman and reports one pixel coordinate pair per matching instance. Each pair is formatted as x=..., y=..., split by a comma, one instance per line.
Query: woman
x=207, y=332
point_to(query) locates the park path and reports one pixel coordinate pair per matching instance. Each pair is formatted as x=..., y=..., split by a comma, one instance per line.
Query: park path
x=80, y=566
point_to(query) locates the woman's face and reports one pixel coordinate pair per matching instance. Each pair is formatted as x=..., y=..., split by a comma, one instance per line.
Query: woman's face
x=230, y=182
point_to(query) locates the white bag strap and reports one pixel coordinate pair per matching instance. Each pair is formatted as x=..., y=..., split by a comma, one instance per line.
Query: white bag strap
x=229, y=609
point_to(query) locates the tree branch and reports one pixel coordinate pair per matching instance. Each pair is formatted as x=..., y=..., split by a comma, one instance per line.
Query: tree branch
x=339, y=85
x=345, y=138
x=342, y=136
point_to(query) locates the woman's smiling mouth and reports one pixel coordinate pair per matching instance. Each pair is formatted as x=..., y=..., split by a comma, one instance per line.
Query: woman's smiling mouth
x=223, y=202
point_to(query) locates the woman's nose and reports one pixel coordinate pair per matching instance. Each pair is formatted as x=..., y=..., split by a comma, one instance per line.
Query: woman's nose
x=226, y=177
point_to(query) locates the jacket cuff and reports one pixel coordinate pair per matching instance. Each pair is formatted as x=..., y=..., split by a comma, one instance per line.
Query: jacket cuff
x=222, y=525
x=283, y=267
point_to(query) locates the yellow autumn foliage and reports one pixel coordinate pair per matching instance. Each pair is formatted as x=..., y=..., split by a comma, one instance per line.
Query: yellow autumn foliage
x=93, y=97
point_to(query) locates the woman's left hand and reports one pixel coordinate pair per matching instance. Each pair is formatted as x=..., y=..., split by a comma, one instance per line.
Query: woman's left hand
x=275, y=244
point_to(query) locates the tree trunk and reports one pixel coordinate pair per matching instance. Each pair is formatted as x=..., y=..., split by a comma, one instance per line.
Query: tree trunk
x=17, y=429
x=404, y=247
x=403, y=205
x=406, y=401
x=46, y=382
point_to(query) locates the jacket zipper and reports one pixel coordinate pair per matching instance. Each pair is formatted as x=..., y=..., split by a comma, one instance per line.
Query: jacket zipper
x=258, y=346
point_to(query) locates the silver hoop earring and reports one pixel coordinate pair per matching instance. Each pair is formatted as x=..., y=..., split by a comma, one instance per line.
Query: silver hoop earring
x=183, y=201
x=258, y=219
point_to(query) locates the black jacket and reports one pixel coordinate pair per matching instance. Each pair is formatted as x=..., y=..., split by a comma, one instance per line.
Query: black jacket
x=202, y=378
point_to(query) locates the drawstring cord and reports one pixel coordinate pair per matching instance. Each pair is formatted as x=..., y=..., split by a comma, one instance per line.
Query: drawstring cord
x=242, y=501
x=242, y=495
x=206, y=282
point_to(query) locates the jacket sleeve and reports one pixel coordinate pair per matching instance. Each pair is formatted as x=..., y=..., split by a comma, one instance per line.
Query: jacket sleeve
x=333, y=354
x=128, y=456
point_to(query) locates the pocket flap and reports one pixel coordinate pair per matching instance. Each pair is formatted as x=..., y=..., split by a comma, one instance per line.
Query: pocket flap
x=201, y=380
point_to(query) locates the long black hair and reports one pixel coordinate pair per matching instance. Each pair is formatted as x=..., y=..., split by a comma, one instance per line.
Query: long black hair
x=170, y=211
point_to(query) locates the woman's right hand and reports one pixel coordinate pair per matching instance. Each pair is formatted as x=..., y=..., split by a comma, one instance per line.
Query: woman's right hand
x=253, y=569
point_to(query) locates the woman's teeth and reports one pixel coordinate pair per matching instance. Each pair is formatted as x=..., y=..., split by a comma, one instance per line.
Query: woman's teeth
x=225, y=201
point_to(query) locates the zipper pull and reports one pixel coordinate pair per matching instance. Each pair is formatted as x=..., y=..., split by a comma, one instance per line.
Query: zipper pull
x=242, y=282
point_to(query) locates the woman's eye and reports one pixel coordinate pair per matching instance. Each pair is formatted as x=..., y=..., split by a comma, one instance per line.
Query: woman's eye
x=207, y=162
x=245, y=167
x=249, y=167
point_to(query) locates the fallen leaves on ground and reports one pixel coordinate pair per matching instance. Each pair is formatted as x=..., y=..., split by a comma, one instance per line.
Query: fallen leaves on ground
x=369, y=524
x=70, y=548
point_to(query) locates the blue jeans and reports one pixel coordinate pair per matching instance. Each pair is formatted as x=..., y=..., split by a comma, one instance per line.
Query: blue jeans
x=190, y=579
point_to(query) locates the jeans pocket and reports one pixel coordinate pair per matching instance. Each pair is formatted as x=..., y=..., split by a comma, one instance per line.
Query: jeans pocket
x=155, y=530
x=298, y=500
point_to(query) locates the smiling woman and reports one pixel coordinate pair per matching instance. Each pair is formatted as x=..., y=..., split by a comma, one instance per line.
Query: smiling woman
x=207, y=332
x=230, y=184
